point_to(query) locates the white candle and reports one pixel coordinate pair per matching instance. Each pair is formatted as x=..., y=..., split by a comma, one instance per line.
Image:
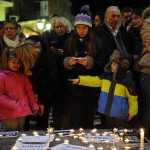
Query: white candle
x=142, y=139
x=101, y=148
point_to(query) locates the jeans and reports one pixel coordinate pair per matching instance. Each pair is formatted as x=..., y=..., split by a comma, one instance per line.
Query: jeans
x=145, y=86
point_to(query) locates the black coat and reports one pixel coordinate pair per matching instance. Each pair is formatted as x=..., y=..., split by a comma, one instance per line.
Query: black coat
x=45, y=73
x=108, y=40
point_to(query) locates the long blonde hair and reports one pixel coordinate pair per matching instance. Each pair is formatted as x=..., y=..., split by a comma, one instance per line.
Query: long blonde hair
x=28, y=51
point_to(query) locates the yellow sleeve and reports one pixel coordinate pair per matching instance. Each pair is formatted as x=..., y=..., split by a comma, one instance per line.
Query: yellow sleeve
x=133, y=104
x=91, y=81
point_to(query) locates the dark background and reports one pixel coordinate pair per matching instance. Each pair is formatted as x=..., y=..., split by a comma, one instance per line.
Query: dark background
x=101, y=5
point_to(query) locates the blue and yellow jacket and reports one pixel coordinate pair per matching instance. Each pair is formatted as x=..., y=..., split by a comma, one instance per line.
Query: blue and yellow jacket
x=116, y=99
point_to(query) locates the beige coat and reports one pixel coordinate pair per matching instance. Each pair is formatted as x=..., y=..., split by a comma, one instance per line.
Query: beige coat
x=145, y=35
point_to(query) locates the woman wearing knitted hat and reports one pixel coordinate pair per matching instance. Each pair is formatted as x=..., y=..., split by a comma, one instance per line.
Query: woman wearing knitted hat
x=83, y=55
x=118, y=100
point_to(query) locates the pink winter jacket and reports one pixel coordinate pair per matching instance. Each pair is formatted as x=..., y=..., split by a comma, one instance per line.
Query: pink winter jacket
x=16, y=89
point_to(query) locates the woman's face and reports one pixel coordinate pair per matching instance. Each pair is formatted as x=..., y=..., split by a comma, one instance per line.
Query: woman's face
x=60, y=29
x=10, y=31
x=82, y=30
x=136, y=21
x=97, y=21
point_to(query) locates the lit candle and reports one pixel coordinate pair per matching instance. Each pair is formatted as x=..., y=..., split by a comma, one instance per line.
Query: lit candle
x=100, y=148
x=125, y=131
x=115, y=130
x=60, y=134
x=127, y=147
x=85, y=141
x=142, y=140
x=57, y=139
x=35, y=133
x=71, y=135
x=14, y=148
x=75, y=136
x=71, y=131
x=114, y=148
x=19, y=139
x=126, y=140
x=81, y=129
x=91, y=146
x=66, y=141
x=50, y=130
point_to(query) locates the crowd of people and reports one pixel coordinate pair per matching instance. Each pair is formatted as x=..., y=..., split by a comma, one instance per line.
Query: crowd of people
x=78, y=70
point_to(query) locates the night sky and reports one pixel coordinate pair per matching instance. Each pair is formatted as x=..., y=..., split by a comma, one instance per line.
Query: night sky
x=101, y=5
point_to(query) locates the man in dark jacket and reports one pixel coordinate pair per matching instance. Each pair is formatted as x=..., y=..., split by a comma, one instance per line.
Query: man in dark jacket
x=111, y=36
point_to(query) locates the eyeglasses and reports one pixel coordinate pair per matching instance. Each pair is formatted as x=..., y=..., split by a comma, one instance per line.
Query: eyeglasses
x=59, y=27
x=10, y=29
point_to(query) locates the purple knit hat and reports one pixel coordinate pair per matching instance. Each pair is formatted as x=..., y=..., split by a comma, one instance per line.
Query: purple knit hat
x=84, y=17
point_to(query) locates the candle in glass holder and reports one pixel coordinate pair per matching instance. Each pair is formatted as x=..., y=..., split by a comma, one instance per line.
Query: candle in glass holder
x=142, y=139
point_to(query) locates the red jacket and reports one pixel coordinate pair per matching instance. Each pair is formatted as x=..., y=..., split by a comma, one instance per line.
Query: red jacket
x=16, y=90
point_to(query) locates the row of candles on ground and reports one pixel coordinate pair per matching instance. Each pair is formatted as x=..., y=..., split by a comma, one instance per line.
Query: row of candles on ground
x=94, y=131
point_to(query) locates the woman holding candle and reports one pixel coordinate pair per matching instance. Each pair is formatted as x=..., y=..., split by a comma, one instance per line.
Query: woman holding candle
x=83, y=55
x=118, y=100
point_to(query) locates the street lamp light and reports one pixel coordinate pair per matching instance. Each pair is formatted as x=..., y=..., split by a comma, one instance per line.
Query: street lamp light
x=40, y=25
x=48, y=26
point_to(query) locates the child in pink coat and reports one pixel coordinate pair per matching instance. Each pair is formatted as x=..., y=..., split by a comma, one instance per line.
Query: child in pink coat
x=17, y=98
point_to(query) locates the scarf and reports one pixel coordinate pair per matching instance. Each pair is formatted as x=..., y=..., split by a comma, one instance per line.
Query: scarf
x=10, y=42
